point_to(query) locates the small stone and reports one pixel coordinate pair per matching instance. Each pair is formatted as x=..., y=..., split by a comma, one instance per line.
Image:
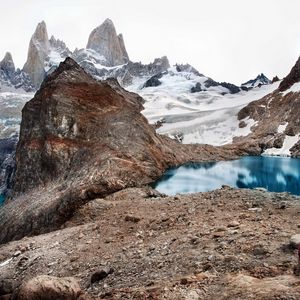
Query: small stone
x=218, y=234
x=233, y=224
x=17, y=253
x=283, y=205
x=221, y=228
x=133, y=219
x=100, y=275
x=81, y=235
x=184, y=281
x=295, y=240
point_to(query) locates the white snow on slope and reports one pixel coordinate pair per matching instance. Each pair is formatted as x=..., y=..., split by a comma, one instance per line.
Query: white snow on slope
x=294, y=89
x=288, y=143
x=282, y=128
x=205, y=117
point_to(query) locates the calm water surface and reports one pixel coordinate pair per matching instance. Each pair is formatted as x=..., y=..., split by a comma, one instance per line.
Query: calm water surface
x=276, y=174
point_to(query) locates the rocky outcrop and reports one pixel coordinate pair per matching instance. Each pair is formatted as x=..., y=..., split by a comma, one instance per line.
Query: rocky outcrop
x=188, y=68
x=153, y=81
x=49, y=287
x=293, y=77
x=233, y=89
x=105, y=41
x=39, y=48
x=80, y=139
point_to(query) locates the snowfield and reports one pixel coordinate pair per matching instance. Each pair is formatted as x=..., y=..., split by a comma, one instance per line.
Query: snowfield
x=11, y=104
x=206, y=117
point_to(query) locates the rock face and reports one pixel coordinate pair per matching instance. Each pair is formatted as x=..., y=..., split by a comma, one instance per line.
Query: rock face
x=39, y=48
x=277, y=117
x=105, y=41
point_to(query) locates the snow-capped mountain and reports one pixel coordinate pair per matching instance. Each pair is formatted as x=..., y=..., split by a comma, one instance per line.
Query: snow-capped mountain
x=12, y=78
x=260, y=80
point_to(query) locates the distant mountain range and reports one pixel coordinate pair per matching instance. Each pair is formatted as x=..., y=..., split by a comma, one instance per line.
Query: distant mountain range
x=105, y=56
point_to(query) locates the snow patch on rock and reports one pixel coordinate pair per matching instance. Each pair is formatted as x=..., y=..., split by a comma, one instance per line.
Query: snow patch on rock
x=288, y=143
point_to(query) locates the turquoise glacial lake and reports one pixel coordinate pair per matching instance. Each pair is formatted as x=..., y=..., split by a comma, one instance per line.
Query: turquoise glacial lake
x=2, y=198
x=276, y=174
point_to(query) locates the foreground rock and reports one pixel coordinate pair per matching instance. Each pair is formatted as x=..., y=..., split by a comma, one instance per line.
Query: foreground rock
x=183, y=247
x=81, y=139
x=48, y=287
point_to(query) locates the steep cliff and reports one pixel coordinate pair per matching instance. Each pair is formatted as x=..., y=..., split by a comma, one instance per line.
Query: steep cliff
x=39, y=48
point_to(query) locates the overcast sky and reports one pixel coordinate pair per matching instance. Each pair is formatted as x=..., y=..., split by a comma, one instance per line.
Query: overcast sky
x=228, y=40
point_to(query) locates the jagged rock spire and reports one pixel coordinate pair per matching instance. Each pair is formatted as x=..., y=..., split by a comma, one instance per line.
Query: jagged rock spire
x=7, y=64
x=38, y=50
x=105, y=41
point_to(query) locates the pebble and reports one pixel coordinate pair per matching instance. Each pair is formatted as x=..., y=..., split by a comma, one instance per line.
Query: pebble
x=17, y=253
x=295, y=240
x=233, y=224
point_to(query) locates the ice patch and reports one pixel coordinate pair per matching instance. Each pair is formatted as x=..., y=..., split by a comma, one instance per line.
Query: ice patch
x=281, y=128
x=288, y=143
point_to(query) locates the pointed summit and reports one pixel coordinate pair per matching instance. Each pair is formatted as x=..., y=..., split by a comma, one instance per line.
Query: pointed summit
x=261, y=79
x=7, y=64
x=39, y=48
x=105, y=41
